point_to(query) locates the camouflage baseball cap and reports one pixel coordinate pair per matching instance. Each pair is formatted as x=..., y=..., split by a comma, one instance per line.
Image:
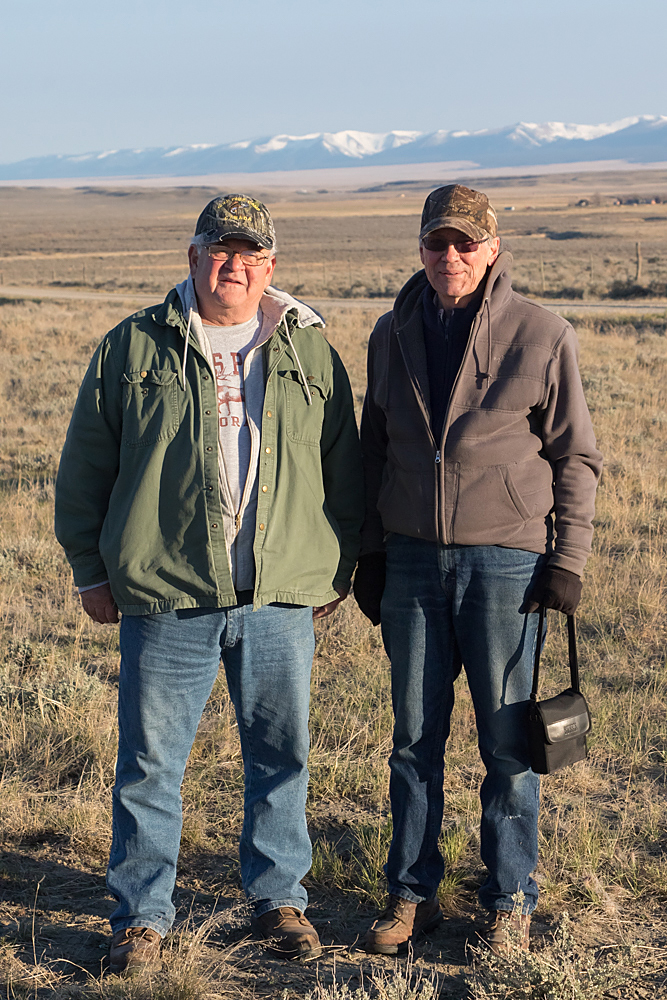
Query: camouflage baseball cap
x=236, y=216
x=458, y=207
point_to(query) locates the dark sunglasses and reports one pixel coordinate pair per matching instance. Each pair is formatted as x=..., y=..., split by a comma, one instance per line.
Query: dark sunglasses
x=438, y=245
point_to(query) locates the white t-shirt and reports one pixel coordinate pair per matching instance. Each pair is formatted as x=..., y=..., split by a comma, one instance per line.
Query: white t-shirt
x=239, y=374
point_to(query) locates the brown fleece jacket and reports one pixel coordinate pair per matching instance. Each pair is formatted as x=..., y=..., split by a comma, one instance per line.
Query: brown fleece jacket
x=517, y=452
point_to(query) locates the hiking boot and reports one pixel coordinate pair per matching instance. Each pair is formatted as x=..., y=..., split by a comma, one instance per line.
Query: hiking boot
x=507, y=931
x=399, y=923
x=290, y=934
x=134, y=950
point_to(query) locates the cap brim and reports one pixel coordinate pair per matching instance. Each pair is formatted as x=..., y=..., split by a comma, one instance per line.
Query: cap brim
x=213, y=236
x=455, y=222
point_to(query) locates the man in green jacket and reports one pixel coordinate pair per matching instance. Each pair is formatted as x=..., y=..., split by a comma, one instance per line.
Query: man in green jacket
x=210, y=491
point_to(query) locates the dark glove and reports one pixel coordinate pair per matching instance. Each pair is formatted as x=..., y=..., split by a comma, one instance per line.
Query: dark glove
x=554, y=588
x=368, y=586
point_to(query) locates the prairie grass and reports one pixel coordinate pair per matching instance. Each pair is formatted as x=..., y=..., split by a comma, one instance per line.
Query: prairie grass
x=602, y=835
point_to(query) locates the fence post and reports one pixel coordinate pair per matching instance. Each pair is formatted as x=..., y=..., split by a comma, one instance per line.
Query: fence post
x=638, y=271
x=544, y=287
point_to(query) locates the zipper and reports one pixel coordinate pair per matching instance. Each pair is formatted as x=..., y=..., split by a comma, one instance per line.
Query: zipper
x=427, y=420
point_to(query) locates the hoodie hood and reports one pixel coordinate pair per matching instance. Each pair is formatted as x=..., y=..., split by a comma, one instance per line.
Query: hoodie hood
x=275, y=304
x=497, y=284
x=497, y=291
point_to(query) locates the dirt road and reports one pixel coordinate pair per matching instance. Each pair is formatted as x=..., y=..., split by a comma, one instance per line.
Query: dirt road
x=644, y=307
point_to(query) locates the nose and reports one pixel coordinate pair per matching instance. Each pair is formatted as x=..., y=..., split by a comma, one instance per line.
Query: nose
x=234, y=263
x=451, y=253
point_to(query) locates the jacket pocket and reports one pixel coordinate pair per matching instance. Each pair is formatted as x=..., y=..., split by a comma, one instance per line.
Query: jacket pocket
x=489, y=508
x=304, y=420
x=150, y=407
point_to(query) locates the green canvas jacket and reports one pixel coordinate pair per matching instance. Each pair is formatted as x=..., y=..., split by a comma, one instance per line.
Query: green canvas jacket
x=138, y=494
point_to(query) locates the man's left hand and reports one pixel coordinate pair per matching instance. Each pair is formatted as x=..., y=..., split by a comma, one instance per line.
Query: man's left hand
x=326, y=609
x=554, y=588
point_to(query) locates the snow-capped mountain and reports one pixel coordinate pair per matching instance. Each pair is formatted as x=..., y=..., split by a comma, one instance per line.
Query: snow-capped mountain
x=640, y=139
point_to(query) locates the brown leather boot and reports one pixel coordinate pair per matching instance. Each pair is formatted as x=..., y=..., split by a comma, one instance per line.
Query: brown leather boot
x=400, y=922
x=134, y=950
x=507, y=931
x=290, y=934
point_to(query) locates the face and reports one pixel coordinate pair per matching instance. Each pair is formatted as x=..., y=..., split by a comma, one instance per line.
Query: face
x=454, y=276
x=229, y=292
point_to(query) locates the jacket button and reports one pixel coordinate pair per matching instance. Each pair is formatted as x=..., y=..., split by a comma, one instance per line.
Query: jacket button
x=207, y=412
x=264, y=489
x=209, y=448
x=144, y=392
x=209, y=488
x=214, y=526
x=261, y=527
x=268, y=413
x=143, y=374
x=268, y=451
x=276, y=348
x=205, y=378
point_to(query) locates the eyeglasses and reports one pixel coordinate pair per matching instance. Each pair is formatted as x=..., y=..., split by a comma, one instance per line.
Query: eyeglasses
x=438, y=245
x=251, y=258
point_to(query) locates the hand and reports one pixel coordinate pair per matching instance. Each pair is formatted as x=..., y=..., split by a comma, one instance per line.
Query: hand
x=554, y=588
x=369, y=581
x=326, y=609
x=99, y=605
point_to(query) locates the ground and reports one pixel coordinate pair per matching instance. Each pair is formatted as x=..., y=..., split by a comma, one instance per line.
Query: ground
x=603, y=848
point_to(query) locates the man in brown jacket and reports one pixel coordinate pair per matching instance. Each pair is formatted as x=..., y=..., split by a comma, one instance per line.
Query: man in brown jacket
x=481, y=469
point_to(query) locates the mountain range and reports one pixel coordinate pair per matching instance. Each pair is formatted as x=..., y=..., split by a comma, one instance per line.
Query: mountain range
x=639, y=139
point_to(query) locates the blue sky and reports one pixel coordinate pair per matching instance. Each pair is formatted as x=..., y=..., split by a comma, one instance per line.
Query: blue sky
x=78, y=76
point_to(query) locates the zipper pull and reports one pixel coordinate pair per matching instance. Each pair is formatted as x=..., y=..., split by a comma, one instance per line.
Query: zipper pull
x=237, y=522
x=437, y=457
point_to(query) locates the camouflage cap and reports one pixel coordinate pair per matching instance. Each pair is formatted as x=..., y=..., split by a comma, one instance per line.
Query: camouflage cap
x=458, y=207
x=239, y=217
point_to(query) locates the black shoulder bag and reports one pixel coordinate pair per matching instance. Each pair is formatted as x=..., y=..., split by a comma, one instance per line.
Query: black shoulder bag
x=557, y=727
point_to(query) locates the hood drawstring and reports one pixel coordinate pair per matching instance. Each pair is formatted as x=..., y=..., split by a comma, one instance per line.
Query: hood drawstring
x=485, y=376
x=187, y=339
x=298, y=362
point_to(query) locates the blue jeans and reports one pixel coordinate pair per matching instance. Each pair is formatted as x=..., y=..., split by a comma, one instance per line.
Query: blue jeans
x=444, y=607
x=168, y=665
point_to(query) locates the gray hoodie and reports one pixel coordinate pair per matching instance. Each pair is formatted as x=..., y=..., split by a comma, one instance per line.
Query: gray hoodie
x=517, y=459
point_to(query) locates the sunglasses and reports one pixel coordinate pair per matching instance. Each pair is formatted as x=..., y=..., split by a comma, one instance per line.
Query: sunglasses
x=437, y=245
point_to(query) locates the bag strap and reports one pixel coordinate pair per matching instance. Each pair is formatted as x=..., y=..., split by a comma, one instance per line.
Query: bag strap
x=571, y=648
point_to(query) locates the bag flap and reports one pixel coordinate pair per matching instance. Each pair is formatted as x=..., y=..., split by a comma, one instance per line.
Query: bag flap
x=564, y=716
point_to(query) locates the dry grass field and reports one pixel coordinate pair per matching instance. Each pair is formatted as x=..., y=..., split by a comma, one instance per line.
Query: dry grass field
x=601, y=927
x=345, y=243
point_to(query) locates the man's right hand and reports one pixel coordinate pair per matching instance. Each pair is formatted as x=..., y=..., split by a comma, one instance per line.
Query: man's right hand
x=99, y=605
x=369, y=581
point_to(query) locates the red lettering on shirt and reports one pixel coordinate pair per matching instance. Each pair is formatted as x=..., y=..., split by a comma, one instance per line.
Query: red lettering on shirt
x=228, y=382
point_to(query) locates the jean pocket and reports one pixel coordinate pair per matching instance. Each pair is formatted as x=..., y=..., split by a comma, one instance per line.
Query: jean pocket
x=150, y=407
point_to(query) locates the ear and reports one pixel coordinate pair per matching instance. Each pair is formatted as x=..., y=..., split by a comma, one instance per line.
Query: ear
x=270, y=268
x=494, y=247
x=421, y=253
x=193, y=258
